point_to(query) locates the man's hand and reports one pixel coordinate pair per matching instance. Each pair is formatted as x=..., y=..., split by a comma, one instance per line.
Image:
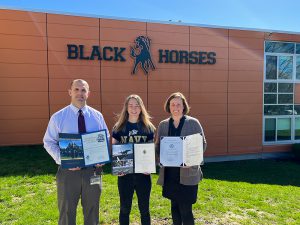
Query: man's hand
x=75, y=169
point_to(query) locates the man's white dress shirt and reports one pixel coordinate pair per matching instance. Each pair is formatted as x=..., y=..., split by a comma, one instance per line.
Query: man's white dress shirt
x=66, y=121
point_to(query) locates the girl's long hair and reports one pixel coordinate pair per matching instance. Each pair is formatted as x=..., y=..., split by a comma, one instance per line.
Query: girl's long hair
x=144, y=117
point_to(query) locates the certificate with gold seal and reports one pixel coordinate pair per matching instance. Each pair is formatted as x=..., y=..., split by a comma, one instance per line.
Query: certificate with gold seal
x=144, y=158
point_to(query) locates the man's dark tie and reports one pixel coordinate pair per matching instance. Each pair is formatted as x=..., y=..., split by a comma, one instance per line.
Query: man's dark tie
x=81, y=122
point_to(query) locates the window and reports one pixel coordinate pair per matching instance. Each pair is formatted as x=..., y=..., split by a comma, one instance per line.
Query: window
x=298, y=67
x=270, y=129
x=278, y=98
x=297, y=48
x=271, y=67
x=297, y=128
x=281, y=113
x=279, y=47
x=283, y=129
x=285, y=67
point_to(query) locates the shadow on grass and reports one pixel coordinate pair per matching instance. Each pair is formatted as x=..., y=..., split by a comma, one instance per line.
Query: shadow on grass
x=28, y=160
x=34, y=160
x=279, y=172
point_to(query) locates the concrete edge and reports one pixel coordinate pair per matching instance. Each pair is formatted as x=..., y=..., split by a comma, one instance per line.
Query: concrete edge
x=276, y=155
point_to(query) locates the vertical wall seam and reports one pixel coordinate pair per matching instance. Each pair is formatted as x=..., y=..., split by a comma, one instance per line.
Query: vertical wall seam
x=48, y=74
x=148, y=74
x=100, y=66
x=227, y=142
x=263, y=92
x=189, y=97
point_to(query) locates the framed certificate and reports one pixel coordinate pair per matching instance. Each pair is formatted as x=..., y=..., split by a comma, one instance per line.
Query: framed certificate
x=133, y=158
x=181, y=151
x=83, y=150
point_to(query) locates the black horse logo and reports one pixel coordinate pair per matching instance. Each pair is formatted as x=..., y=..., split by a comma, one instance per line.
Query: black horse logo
x=141, y=54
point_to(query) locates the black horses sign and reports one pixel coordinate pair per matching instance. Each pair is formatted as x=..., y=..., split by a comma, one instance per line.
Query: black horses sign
x=141, y=55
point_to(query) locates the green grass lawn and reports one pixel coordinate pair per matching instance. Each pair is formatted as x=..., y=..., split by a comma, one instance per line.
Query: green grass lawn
x=244, y=192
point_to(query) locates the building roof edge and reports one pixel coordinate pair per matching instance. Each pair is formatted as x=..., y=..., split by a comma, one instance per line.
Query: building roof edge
x=148, y=21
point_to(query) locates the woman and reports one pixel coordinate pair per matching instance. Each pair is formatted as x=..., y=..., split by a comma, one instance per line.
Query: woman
x=180, y=184
x=133, y=125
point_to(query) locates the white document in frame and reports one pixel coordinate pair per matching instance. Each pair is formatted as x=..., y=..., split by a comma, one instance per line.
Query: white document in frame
x=144, y=158
x=193, y=150
x=171, y=151
x=95, y=147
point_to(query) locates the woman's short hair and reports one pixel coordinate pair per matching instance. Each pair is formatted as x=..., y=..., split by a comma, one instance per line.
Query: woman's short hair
x=186, y=107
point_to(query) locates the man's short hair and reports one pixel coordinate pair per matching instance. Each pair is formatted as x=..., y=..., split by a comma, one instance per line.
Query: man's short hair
x=80, y=80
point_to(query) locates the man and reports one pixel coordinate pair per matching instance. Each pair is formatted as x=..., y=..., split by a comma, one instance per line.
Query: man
x=72, y=183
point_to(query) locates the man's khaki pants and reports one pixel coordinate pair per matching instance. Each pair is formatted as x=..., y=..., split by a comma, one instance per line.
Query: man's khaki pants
x=71, y=185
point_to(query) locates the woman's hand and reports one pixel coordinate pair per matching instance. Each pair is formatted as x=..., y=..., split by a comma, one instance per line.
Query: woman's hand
x=121, y=174
x=186, y=167
x=99, y=165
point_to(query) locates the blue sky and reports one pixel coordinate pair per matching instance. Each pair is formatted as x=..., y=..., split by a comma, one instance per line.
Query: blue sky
x=256, y=14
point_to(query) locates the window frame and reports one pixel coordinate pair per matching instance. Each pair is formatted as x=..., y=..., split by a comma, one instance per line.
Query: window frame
x=277, y=81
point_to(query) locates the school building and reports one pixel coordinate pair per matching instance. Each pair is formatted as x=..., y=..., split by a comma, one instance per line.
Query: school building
x=243, y=85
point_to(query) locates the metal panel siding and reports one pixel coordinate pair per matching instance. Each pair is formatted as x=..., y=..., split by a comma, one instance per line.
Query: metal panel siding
x=226, y=97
